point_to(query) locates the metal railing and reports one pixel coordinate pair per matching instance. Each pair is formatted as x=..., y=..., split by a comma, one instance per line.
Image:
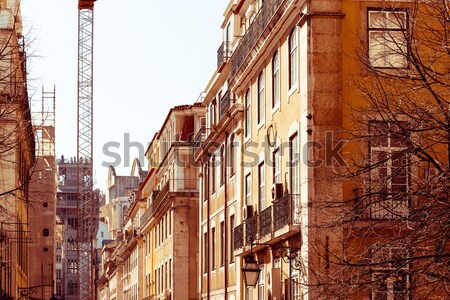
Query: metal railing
x=199, y=138
x=171, y=186
x=239, y=236
x=267, y=17
x=286, y=211
x=251, y=229
x=225, y=103
x=265, y=222
x=224, y=53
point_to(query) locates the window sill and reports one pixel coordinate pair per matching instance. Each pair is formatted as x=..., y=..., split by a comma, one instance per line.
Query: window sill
x=260, y=125
x=292, y=91
x=275, y=109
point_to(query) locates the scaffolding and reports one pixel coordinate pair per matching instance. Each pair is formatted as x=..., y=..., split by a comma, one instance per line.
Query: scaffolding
x=84, y=149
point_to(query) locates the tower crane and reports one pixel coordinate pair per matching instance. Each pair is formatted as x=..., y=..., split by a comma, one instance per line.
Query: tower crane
x=85, y=228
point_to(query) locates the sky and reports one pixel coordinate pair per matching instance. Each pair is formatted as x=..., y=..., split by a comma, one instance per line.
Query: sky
x=149, y=55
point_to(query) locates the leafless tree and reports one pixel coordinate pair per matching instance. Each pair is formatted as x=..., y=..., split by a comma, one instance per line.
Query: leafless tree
x=389, y=237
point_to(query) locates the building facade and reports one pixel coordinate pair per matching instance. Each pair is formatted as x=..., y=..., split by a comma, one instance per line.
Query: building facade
x=169, y=225
x=319, y=152
x=17, y=148
x=42, y=210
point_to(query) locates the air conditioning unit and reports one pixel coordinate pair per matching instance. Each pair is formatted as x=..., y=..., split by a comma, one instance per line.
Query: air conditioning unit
x=247, y=211
x=277, y=191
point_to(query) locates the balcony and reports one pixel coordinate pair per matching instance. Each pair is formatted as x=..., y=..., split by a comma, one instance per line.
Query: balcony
x=251, y=229
x=239, y=236
x=269, y=14
x=265, y=222
x=172, y=186
x=199, y=138
x=225, y=103
x=223, y=54
x=276, y=222
x=286, y=211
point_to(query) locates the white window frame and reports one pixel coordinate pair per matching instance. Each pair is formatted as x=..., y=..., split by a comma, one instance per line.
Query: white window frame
x=388, y=208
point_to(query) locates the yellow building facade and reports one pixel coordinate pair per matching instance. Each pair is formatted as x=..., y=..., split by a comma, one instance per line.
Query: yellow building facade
x=289, y=100
x=169, y=225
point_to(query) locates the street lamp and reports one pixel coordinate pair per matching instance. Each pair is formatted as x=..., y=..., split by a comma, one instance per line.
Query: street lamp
x=251, y=271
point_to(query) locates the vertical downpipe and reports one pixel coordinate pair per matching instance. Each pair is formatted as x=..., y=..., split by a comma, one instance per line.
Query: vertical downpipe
x=225, y=219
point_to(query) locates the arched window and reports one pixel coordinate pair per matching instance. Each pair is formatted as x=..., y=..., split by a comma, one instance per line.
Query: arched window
x=293, y=58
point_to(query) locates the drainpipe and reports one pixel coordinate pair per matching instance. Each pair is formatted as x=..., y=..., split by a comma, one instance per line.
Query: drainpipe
x=207, y=195
x=225, y=220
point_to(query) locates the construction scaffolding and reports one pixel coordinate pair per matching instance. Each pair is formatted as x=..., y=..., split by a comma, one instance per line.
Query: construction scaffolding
x=85, y=149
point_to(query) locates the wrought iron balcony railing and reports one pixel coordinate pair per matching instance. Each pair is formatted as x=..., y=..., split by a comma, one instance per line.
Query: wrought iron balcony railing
x=265, y=222
x=267, y=17
x=286, y=211
x=251, y=229
x=224, y=53
x=225, y=103
x=199, y=138
x=239, y=236
x=171, y=186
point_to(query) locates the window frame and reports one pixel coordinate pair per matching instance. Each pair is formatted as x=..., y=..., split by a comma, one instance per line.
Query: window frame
x=390, y=149
x=261, y=98
x=248, y=189
x=405, y=30
x=276, y=170
x=261, y=186
x=248, y=113
x=276, y=79
x=293, y=58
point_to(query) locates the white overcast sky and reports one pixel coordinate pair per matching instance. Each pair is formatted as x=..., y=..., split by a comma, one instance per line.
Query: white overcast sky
x=149, y=55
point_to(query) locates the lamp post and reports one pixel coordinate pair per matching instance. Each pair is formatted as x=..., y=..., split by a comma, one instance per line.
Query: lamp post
x=251, y=271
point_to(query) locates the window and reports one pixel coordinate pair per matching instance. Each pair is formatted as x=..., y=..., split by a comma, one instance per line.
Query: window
x=276, y=166
x=170, y=273
x=222, y=243
x=58, y=258
x=248, y=189
x=213, y=174
x=212, y=113
x=248, y=114
x=72, y=266
x=261, y=285
x=261, y=103
x=275, y=79
x=389, y=174
x=58, y=246
x=231, y=238
x=222, y=165
x=387, y=33
x=58, y=289
x=390, y=273
x=294, y=165
x=261, y=187
x=71, y=244
x=231, y=153
x=205, y=252
x=72, y=288
x=58, y=274
x=293, y=58
x=213, y=248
